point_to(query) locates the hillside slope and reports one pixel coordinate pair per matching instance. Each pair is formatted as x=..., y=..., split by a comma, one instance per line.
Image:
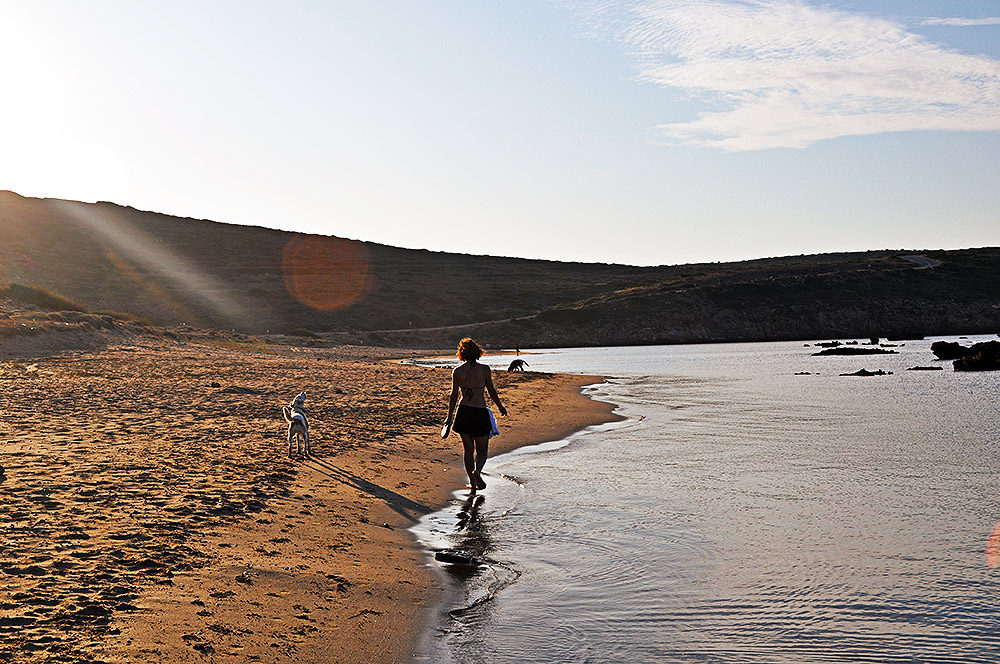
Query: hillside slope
x=171, y=270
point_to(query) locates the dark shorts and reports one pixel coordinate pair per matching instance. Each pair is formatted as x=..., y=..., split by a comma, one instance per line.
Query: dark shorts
x=473, y=421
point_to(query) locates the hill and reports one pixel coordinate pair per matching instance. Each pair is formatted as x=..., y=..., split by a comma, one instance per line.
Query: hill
x=170, y=270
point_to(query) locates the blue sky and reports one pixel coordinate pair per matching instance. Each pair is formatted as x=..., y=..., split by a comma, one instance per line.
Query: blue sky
x=631, y=132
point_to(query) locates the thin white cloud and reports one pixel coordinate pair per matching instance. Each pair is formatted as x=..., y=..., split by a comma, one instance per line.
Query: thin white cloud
x=962, y=22
x=788, y=74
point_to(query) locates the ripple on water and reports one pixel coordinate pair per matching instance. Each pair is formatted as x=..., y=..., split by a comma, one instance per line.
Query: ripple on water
x=742, y=515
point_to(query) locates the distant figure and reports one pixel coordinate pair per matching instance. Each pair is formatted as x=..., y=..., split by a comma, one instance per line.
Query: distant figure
x=473, y=421
x=517, y=350
x=517, y=365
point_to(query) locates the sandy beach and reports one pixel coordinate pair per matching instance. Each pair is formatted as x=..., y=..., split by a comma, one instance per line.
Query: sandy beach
x=151, y=512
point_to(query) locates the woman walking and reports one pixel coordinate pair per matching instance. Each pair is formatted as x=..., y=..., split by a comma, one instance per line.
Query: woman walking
x=472, y=380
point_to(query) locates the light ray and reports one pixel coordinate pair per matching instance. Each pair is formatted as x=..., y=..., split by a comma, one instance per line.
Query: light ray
x=134, y=246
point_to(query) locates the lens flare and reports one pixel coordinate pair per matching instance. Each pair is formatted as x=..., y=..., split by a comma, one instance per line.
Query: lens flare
x=325, y=273
x=993, y=547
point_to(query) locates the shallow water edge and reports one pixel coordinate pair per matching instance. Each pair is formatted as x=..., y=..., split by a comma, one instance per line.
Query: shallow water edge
x=469, y=577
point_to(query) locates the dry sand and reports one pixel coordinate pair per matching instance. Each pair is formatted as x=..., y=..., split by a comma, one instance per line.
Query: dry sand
x=150, y=512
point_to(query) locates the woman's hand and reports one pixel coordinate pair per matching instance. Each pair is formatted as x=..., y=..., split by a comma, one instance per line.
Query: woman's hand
x=503, y=411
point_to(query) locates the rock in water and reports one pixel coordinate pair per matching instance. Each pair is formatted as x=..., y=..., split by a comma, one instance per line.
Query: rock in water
x=454, y=557
x=981, y=357
x=865, y=372
x=855, y=351
x=948, y=350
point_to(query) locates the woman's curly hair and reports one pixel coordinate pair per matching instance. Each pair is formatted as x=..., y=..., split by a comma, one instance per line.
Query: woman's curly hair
x=468, y=350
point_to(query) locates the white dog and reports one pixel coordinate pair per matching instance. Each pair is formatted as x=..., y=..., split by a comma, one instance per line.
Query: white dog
x=298, y=426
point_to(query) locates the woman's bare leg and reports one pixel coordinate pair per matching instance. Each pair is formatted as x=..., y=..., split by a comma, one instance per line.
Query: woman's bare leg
x=469, y=443
x=482, y=453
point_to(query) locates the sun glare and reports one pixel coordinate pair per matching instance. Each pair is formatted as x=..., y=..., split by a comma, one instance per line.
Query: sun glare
x=74, y=170
x=43, y=150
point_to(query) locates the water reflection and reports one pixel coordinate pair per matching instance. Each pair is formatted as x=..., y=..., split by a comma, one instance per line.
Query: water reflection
x=470, y=541
x=468, y=515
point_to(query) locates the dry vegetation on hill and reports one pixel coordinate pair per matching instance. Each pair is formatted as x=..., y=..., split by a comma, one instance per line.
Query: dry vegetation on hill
x=170, y=271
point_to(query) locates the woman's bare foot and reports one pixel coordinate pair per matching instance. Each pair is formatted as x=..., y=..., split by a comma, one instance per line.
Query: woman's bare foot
x=480, y=484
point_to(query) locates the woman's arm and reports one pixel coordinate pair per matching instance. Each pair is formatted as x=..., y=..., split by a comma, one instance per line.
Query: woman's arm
x=453, y=399
x=493, y=392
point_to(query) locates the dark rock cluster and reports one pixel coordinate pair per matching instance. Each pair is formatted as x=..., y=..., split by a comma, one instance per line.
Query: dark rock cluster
x=980, y=357
x=948, y=350
x=855, y=350
x=866, y=372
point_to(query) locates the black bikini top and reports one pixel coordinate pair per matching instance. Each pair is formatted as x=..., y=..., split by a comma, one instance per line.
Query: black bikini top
x=467, y=391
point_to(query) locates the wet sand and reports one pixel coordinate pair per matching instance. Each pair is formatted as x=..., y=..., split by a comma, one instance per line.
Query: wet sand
x=151, y=513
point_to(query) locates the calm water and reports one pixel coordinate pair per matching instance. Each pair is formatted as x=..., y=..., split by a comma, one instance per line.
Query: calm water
x=741, y=513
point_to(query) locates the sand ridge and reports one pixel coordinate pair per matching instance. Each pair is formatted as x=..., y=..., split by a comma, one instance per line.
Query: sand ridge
x=151, y=512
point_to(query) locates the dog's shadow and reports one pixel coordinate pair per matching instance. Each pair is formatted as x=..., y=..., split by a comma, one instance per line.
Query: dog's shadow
x=410, y=509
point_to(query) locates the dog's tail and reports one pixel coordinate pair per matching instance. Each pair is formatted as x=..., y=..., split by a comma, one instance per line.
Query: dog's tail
x=287, y=412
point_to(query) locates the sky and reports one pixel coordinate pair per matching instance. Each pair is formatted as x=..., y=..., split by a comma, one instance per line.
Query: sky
x=645, y=132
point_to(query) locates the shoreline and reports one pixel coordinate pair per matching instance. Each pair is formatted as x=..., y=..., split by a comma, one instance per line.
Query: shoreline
x=175, y=528
x=431, y=538
x=565, y=411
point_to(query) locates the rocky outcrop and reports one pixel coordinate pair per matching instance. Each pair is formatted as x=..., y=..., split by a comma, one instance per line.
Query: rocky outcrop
x=855, y=350
x=948, y=350
x=981, y=357
x=865, y=372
